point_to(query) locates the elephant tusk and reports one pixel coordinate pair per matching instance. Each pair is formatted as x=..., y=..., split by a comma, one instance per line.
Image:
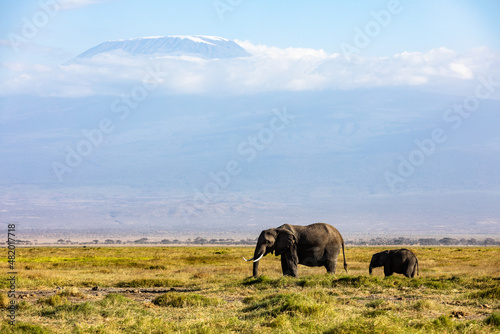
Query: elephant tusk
x=247, y=260
x=260, y=257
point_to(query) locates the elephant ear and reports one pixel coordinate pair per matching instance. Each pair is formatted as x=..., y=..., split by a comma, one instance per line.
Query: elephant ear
x=383, y=256
x=284, y=241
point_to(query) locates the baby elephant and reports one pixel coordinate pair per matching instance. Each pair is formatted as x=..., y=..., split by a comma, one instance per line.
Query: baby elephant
x=400, y=261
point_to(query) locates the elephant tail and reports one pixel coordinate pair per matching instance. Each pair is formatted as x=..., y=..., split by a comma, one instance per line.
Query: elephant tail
x=417, y=267
x=343, y=253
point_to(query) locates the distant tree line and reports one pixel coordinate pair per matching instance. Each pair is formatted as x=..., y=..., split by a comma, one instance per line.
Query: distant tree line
x=426, y=242
x=203, y=241
x=146, y=241
x=358, y=242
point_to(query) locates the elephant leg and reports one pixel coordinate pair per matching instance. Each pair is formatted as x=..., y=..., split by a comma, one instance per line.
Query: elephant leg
x=411, y=271
x=407, y=270
x=288, y=269
x=332, y=256
x=331, y=266
x=387, y=270
x=284, y=265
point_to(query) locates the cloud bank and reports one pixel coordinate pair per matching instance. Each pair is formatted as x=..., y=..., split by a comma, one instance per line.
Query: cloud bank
x=268, y=69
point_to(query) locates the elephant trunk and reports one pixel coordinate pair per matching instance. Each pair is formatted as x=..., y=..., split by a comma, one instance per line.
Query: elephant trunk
x=372, y=265
x=258, y=254
x=255, y=269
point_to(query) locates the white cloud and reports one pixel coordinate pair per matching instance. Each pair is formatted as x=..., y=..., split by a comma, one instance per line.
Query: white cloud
x=267, y=69
x=22, y=67
x=462, y=70
x=288, y=53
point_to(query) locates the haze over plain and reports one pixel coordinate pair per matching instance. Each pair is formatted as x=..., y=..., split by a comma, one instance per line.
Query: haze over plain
x=379, y=124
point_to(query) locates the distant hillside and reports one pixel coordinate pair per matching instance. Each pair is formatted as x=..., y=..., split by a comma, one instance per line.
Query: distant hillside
x=206, y=47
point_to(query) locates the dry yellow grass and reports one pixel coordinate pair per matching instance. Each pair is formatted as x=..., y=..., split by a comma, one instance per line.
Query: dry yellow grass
x=209, y=290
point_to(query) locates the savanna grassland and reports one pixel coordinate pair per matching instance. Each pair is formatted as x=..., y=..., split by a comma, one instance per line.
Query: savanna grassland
x=209, y=290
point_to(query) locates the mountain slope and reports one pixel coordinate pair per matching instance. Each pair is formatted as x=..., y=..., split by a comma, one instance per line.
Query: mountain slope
x=207, y=47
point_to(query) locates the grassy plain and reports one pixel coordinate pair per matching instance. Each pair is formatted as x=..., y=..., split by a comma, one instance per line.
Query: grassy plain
x=209, y=290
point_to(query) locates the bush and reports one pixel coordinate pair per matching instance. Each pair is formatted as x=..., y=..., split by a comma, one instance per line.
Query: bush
x=114, y=299
x=20, y=327
x=369, y=324
x=424, y=304
x=493, y=319
x=83, y=309
x=4, y=300
x=492, y=293
x=355, y=281
x=293, y=303
x=177, y=299
x=149, y=283
x=260, y=280
x=71, y=292
x=54, y=300
x=443, y=322
x=376, y=303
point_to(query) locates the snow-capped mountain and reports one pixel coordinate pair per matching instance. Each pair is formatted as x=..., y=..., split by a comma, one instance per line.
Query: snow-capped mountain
x=207, y=47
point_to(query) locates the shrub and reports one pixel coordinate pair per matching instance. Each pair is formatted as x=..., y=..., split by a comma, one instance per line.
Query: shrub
x=369, y=324
x=375, y=313
x=71, y=292
x=82, y=309
x=376, y=303
x=285, y=302
x=493, y=319
x=54, y=300
x=424, y=304
x=114, y=299
x=4, y=300
x=177, y=299
x=355, y=281
x=156, y=267
x=492, y=293
x=260, y=280
x=21, y=327
x=443, y=322
x=150, y=283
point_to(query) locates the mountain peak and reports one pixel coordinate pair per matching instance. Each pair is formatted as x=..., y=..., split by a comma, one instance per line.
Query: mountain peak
x=206, y=47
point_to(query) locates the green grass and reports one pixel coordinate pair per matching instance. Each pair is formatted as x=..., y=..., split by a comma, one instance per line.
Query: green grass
x=210, y=290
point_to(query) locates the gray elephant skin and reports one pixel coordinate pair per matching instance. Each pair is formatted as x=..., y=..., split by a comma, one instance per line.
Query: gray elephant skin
x=400, y=261
x=314, y=245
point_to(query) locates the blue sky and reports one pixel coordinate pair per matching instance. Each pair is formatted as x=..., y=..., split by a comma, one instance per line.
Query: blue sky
x=418, y=25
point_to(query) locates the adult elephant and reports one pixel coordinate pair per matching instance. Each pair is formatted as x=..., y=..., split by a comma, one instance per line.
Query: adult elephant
x=400, y=261
x=315, y=245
